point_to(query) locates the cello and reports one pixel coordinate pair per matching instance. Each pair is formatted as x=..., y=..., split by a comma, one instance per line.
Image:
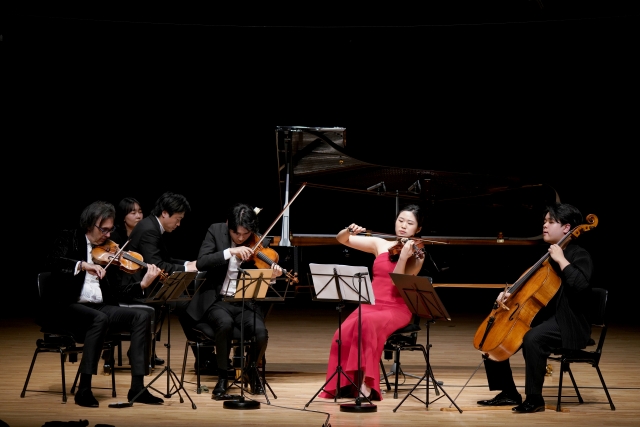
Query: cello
x=501, y=334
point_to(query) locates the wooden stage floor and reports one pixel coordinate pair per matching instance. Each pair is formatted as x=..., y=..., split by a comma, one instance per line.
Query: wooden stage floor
x=299, y=340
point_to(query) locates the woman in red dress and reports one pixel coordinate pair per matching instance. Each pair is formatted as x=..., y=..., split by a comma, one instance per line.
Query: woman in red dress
x=379, y=320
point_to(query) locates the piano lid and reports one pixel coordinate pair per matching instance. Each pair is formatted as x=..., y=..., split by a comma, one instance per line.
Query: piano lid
x=344, y=189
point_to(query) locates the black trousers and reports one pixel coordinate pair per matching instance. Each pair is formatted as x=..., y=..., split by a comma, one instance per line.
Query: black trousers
x=536, y=347
x=90, y=323
x=224, y=317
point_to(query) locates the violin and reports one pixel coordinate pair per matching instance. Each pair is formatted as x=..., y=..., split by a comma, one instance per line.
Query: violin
x=265, y=257
x=130, y=262
x=418, y=247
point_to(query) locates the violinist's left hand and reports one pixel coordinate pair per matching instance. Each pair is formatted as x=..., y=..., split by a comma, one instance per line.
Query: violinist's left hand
x=407, y=249
x=151, y=274
x=277, y=270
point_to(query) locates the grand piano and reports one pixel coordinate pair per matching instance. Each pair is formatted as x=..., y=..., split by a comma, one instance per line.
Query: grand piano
x=484, y=229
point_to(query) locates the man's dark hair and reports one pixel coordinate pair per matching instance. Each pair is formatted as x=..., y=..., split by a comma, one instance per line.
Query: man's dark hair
x=172, y=203
x=564, y=213
x=95, y=213
x=242, y=215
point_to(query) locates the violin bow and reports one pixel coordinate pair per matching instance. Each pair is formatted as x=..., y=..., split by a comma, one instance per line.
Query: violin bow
x=116, y=255
x=279, y=216
x=370, y=233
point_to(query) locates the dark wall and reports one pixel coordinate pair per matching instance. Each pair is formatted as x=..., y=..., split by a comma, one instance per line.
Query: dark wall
x=105, y=109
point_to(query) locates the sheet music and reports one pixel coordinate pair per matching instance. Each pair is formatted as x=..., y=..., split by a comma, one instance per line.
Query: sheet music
x=252, y=284
x=324, y=283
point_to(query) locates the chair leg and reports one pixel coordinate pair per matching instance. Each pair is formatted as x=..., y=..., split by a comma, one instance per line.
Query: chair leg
x=559, y=402
x=384, y=374
x=120, y=353
x=198, y=367
x=184, y=363
x=113, y=371
x=397, y=373
x=75, y=381
x=604, y=386
x=26, y=382
x=64, y=383
x=575, y=386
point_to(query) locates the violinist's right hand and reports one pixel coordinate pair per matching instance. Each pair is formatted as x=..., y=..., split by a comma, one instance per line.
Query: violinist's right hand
x=241, y=252
x=93, y=269
x=354, y=229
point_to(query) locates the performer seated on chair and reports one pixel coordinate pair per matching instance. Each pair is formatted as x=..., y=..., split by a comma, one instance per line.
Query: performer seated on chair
x=562, y=323
x=223, y=250
x=86, y=303
x=146, y=239
x=128, y=215
x=378, y=321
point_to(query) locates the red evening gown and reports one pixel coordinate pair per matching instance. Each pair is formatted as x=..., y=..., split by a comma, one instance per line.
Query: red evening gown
x=378, y=322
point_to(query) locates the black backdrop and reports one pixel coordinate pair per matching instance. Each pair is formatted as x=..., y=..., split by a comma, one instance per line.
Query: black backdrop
x=107, y=105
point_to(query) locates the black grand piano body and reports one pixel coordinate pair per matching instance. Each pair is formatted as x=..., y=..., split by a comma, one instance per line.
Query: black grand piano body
x=488, y=225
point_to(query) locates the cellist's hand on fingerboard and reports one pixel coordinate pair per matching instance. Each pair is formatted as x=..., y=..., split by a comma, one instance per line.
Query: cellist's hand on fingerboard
x=503, y=297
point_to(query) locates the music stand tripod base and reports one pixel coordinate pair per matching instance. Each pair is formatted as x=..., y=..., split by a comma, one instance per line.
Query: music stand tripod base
x=358, y=407
x=249, y=282
x=241, y=404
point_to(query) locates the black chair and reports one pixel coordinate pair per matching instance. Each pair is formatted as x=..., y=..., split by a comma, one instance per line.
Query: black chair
x=566, y=357
x=57, y=340
x=403, y=339
x=204, y=339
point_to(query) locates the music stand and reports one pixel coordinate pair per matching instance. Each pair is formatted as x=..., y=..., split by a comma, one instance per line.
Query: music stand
x=323, y=276
x=421, y=298
x=253, y=285
x=171, y=289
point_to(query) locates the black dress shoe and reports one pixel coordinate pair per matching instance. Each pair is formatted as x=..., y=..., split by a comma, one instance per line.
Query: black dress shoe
x=85, y=398
x=255, y=384
x=256, y=388
x=502, y=399
x=157, y=361
x=530, y=405
x=145, y=397
x=220, y=388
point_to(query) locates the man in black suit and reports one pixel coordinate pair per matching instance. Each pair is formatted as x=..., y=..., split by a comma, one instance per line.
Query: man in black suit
x=561, y=323
x=223, y=250
x=146, y=238
x=86, y=303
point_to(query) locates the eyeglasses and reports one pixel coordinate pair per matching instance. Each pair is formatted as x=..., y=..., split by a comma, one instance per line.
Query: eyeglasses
x=105, y=230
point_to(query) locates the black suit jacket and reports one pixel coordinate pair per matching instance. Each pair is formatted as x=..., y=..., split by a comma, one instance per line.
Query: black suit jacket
x=66, y=286
x=211, y=259
x=147, y=240
x=572, y=299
